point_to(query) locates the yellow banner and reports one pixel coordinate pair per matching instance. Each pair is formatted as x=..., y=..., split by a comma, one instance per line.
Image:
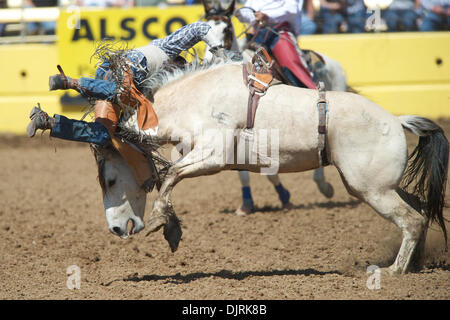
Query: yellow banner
x=80, y=31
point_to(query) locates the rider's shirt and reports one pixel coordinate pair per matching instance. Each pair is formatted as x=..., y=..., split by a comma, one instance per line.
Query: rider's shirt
x=182, y=39
x=277, y=11
x=160, y=50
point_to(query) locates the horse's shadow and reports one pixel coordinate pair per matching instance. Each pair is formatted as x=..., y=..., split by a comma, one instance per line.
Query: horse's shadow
x=224, y=274
x=325, y=205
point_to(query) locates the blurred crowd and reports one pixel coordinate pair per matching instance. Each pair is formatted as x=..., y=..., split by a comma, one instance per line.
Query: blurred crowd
x=319, y=16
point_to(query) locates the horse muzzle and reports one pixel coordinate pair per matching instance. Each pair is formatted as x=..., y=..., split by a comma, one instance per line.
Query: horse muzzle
x=124, y=232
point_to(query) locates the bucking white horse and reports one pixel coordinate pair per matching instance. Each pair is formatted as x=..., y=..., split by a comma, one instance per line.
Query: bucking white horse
x=203, y=110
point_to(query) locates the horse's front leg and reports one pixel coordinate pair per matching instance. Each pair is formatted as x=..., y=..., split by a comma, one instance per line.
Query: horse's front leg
x=163, y=214
x=159, y=216
x=196, y=163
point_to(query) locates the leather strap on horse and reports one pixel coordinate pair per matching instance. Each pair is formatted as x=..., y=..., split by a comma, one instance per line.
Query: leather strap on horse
x=144, y=169
x=257, y=77
x=322, y=127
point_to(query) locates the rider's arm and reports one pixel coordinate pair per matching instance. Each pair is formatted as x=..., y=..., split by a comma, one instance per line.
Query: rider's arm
x=245, y=14
x=276, y=12
x=281, y=13
x=184, y=38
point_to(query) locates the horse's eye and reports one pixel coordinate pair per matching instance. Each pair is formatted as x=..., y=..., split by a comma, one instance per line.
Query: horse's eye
x=111, y=182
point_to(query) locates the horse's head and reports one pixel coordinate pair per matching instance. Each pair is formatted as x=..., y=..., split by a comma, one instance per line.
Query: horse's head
x=219, y=7
x=218, y=15
x=123, y=198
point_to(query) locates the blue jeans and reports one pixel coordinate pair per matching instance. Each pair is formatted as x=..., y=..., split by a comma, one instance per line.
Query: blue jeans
x=331, y=20
x=406, y=18
x=81, y=131
x=97, y=88
x=48, y=27
x=434, y=22
x=267, y=38
x=103, y=86
x=356, y=21
x=308, y=26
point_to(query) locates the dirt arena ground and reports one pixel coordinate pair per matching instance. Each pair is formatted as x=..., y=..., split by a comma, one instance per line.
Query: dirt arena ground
x=52, y=217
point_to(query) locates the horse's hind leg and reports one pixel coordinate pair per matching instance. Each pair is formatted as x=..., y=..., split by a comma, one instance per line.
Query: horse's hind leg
x=391, y=206
x=380, y=191
x=414, y=202
x=411, y=204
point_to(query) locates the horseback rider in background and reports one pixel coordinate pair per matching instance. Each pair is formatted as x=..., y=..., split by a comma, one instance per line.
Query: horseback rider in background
x=277, y=24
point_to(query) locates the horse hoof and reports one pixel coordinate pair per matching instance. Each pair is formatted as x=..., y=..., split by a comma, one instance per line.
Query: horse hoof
x=390, y=271
x=326, y=189
x=155, y=223
x=288, y=206
x=243, y=211
x=172, y=232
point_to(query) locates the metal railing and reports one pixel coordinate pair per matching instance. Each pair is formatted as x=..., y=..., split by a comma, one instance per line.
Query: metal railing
x=15, y=22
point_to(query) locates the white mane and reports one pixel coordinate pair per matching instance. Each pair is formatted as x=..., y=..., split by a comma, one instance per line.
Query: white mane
x=172, y=73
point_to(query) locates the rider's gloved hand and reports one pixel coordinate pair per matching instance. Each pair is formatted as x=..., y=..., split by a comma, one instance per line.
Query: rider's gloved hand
x=262, y=18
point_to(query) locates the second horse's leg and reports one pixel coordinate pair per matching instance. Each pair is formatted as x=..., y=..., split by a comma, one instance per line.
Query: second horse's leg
x=325, y=188
x=247, y=200
x=283, y=193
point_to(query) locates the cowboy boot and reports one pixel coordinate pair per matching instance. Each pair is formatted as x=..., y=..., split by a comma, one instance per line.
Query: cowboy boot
x=39, y=120
x=60, y=82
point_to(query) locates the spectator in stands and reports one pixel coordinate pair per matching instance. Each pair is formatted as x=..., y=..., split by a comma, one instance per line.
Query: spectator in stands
x=356, y=16
x=308, y=26
x=436, y=15
x=345, y=15
x=401, y=15
x=42, y=27
x=151, y=3
x=175, y=2
x=3, y=4
x=105, y=3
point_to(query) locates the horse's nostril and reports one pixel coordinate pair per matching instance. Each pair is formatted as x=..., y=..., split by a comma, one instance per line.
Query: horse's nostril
x=116, y=230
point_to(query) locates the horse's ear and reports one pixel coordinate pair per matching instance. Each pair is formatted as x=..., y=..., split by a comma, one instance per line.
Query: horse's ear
x=100, y=152
x=208, y=5
x=230, y=10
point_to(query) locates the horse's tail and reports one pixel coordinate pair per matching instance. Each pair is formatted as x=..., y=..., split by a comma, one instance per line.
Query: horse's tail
x=428, y=167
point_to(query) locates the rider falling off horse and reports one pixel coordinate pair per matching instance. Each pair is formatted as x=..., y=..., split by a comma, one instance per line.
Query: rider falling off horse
x=119, y=86
x=111, y=95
